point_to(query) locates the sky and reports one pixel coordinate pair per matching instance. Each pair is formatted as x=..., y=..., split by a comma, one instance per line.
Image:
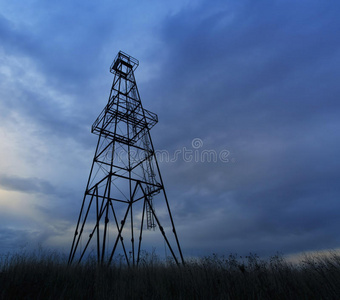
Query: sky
x=255, y=82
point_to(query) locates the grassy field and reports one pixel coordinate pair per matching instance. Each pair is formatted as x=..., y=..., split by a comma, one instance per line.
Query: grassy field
x=47, y=276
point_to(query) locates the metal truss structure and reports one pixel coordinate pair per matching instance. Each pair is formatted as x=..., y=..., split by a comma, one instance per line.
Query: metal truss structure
x=125, y=182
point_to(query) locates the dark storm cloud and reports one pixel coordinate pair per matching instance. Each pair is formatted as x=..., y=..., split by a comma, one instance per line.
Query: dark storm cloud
x=13, y=240
x=58, y=41
x=14, y=40
x=256, y=78
x=69, y=46
x=244, y=60
x=26, y=185
x=259, y=79
x=59, y=51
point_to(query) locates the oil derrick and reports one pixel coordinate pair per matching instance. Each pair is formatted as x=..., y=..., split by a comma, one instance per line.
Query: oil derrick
x=125, y=182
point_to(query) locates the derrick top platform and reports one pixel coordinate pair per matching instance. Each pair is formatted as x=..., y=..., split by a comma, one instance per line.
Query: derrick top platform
x=123, y=63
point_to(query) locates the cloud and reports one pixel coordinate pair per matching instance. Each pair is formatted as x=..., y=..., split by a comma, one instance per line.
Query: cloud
x=13, y=240
x=258, y=79
x=26, y=185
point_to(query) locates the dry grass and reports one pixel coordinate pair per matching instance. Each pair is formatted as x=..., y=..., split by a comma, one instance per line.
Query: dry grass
x=47, y=276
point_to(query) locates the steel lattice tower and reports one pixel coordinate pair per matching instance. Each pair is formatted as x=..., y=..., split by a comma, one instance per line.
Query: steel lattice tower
x=125, y=182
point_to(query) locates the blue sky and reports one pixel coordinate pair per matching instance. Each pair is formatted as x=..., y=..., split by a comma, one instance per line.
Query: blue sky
x=258, y=79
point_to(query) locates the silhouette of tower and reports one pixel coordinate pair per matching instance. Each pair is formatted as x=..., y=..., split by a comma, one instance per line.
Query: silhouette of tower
x=125, y=183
